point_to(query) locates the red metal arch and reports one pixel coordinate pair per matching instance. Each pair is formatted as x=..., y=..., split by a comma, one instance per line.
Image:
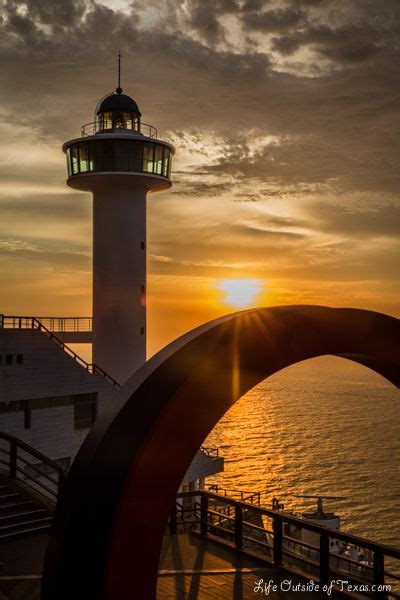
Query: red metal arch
x=111, y=517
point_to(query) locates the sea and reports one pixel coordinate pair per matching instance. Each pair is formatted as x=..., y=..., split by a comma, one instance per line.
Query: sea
x=326, y=426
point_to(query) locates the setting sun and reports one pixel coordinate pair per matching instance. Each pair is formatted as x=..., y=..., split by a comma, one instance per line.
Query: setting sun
x=240, y=292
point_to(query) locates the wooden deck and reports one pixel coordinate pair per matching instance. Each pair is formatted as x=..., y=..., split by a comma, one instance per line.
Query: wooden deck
x=195, y=569
x=190, y=569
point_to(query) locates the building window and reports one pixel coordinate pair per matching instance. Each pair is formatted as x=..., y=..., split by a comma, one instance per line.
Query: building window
x=9, y=359
x=20, y=359
x=85, y=410
x=27, y=414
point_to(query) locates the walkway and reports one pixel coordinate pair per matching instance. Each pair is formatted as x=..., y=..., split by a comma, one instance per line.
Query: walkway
x=190, y=569
x=196, y=569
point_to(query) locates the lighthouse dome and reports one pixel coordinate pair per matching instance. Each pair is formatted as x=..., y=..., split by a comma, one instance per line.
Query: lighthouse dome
x=118, y=102
x=118, y=111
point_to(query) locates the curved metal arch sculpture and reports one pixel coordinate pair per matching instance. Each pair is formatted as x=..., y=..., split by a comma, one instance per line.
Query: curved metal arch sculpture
x=110, y=520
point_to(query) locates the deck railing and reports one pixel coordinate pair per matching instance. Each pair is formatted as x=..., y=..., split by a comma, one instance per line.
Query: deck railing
x=210, y=452
x=18, y=322
x=21, y=461
x=254, y=529
x=242, y=495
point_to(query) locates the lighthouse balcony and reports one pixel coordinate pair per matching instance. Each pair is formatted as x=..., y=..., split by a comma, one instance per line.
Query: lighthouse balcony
x=111, y=125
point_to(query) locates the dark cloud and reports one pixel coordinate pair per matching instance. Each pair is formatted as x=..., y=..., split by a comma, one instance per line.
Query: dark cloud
x=348, y=44
x=271, y=21
x=358, y=221
x=204, y=17
x=353, y=32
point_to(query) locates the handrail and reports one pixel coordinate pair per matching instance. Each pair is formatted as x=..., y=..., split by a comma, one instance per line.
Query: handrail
x=67, y=324
x=14, y=322
x=95, y=127
x=15, y=445
x=275, y=545
x=57, y=324
x=35, y=453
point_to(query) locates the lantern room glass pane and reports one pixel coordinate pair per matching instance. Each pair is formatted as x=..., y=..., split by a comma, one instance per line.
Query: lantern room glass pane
x=148, y=157
x=95, y=162
x=135, y=155
x=114, y=120
x=108, y=157
x=74, y=159
x=158, y=160
x=83, y=158
x=166, y=162
x=69, y=162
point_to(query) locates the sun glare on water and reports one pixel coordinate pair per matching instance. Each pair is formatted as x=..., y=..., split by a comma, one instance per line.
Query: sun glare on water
x=240, y=292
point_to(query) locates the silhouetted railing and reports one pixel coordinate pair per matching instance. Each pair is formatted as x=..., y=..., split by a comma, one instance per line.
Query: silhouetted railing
x=242, y=495
x=210, y=452
x=264, y=532
x=107, y=127
x=16, y=459
x=67, y=324
x=17, y=322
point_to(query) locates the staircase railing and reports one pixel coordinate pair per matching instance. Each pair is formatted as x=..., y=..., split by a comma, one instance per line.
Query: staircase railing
x=18, y=322
x=16, y=459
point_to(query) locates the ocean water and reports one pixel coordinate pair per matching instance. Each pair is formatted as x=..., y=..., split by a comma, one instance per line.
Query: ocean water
x=325, y=426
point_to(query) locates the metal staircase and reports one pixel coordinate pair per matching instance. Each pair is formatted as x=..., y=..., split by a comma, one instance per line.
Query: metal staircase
x=21, y=514
x=29, y=487
x=32, y=323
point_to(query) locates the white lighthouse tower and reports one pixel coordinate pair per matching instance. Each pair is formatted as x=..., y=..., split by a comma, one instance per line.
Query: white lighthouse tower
x=119, y=159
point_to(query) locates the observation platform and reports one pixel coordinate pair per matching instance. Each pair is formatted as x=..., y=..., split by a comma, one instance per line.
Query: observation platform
x=70, y=330
x=192, y=568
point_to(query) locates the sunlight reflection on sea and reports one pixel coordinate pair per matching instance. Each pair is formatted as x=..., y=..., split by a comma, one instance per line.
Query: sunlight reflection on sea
x=326, y=426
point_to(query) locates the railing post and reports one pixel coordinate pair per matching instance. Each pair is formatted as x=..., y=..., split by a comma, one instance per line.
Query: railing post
x=277, y=526
x=324, y=558
x=379, y=574
x=238, y=527
x=12, y=474
x=203, y=515
x=60, y=483
x=173, y=518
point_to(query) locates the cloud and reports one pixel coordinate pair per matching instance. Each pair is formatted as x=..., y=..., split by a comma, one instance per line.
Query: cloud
x=284, y=115
x=278, y=20
x=364, y=220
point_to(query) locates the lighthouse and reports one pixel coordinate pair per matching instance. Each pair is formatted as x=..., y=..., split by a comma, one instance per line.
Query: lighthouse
x=120, y=160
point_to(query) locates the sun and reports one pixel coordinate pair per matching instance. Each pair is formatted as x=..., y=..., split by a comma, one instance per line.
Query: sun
x=240, y=292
